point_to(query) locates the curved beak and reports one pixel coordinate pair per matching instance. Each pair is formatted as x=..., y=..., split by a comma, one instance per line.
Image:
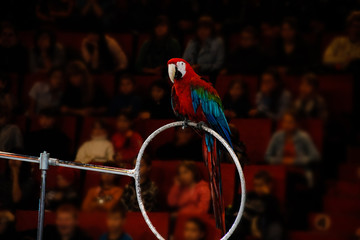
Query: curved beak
x=172, y=71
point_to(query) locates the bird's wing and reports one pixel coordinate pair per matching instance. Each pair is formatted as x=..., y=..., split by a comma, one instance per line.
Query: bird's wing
x=210, y=104
x=175, y=102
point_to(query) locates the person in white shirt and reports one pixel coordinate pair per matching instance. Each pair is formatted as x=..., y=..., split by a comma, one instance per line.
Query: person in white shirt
x=345, y=49
x=99, y=149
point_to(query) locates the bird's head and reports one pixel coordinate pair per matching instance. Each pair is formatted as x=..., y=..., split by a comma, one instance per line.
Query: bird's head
x=178, y=68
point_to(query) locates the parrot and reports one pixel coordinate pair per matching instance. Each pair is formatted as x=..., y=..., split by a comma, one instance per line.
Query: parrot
x=195, y=99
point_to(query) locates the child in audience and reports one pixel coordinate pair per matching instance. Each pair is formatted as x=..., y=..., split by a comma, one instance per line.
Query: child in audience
x=99, y=148
x=262, y=217
x=272, y=100
x=236, y=101
x=6, y=98
x=155, y=52
x=81, y=96
x=48, y=137
x=185, y=145
x=126, y=141
x=126, y=100
x=105, y=196
x=66, y=225
x=115, y=223
x=47, y=53
x=189, y=194
x=159, y=105
x=149, y=190
x=309, y=103
x=195, y=229
x=65, y=191
x=290, y=145
x=47, y=94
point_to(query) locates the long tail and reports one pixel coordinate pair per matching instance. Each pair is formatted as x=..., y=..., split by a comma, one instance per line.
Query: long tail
x=212, y=161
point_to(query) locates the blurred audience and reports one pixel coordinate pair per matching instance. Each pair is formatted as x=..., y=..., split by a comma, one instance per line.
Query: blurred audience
x=149, y=190
x=290, y=145
x=11, y=139
x=206, y=52
x=65, y=190
x=236, y=101
x=115, y=223
x=7, y=226
x=155, y=52
x=189, y=194
x=81, y=96
x=195, y=229
x=47, y=94
x=310, y=104
x=47, y=53
x=125, y=100
x=343, y=50
x=272, y=100
x=103, y=53
x=185, y=145
x=158, y=106
x=13, y=56
x=262, y=215
x=126, y=141
x=66, y=225
x=99, y=148
x=105, y=196
x=7, y=99
x=48, y=137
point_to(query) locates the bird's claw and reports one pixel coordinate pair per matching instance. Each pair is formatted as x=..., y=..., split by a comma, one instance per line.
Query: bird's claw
x=185, y=124
x=200, y=125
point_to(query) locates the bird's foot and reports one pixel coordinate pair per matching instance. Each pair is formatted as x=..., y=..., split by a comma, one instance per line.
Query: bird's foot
x=185, y=124
x=200, y=125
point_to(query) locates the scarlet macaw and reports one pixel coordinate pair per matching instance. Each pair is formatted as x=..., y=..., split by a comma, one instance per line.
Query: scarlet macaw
x=195, y=99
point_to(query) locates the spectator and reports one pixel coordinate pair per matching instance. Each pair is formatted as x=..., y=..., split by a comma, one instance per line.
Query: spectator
x=115, y=223
x=155, y=52
x=47, y=94
x=149, y=190
x=236, y=101
x=291, y=52
x=185, y=145
x=159, y=104
x=48, y=137
x=205, y=52
x=7, y=226
x=262, y=215
x=103, y=53
x=189, y=194
x=98, y=148
x=66, y=225
x=309, y=103
x=125, y=100
x=65, y=191
x=126, y=141
x=13, y=56
x=345, y=49
x=6, y=98
x=47, y=52
x=17, y=187
x=272, y=100
x=195, y=229
x=81, y=96
x=105, y=196
x=290, y=145
x=246, y=58
x=11, y=139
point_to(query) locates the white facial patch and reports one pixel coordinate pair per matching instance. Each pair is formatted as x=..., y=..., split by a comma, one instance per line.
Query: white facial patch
x=181, y=67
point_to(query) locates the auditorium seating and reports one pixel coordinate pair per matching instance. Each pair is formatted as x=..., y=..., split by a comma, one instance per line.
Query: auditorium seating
x=340, y=223
x=107, y=83
x=302, y=235
x=341, y=204
x=256, y=134
x=212, y=231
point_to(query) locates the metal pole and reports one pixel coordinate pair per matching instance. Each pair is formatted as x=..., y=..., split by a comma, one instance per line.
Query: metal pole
x=44, y=166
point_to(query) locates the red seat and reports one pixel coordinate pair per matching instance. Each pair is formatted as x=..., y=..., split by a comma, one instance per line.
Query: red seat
x=223, y=82
x=341, y=223
x=211, y=233
x=341, y=204
x=278, y=173
x=27, y=220
x=350, y=172
x=256, y=134
x=107, y=83
x=71, y=40
x=317, y=236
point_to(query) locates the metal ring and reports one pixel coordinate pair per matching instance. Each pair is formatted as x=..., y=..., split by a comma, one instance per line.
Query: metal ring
x=223, y=142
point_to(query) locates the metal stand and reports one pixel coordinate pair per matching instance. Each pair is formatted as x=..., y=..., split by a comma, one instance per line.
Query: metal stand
x=44, y=161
